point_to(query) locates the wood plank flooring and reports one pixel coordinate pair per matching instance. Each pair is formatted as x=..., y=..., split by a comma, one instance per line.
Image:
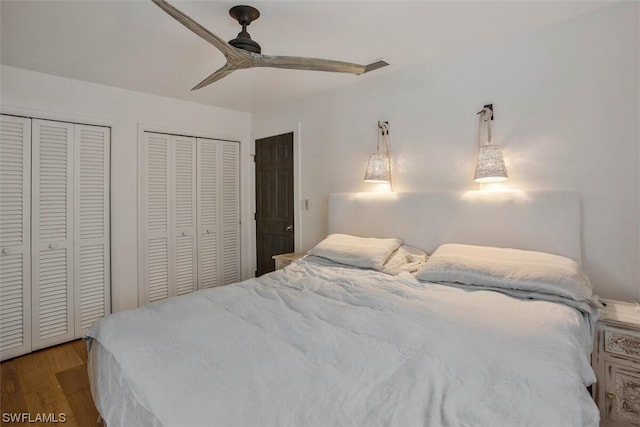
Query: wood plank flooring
x=52, y=381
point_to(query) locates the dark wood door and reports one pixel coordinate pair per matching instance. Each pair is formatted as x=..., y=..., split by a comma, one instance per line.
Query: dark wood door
x=274, y=199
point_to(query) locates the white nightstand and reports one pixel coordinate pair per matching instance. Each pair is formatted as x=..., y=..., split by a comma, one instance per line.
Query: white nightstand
x=616, y=362
x=283, y=260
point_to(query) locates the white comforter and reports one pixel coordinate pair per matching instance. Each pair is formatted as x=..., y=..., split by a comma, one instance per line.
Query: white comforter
x=313, y=345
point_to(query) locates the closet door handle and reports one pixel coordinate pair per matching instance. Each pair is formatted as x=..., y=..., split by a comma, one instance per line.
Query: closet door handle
x=6, y=251
x=53, y=246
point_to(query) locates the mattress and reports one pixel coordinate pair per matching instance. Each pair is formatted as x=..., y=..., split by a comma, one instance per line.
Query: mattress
x=317, y=345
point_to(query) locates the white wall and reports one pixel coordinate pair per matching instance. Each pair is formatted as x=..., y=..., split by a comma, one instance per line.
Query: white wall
x=41, y=95
x=566, y=105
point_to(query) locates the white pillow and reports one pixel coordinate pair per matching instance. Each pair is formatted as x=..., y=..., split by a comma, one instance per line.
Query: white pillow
x=364, y=252
x=507, y=269
x=405, y=258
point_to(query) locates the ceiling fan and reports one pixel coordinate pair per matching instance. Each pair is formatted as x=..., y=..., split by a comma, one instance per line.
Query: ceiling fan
x=243, y=52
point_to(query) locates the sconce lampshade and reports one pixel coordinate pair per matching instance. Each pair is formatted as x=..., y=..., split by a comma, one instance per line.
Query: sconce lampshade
x=378, y=169
x=490, y=166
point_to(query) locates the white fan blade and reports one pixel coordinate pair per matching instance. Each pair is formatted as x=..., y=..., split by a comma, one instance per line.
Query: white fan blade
x=220, y=73
x=224, y=47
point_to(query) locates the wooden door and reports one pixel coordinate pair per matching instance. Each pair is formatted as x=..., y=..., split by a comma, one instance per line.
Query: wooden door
x=274, y=199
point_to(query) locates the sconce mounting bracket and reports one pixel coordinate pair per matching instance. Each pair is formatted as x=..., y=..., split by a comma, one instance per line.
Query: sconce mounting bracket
x=490, y=107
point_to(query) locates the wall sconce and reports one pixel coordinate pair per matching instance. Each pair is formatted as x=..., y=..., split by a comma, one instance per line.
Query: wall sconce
x=490, y=166
x=379, y=167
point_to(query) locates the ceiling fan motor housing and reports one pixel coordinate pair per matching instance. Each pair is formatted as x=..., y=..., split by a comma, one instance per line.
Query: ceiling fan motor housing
x=243, y=41
x=245, y=15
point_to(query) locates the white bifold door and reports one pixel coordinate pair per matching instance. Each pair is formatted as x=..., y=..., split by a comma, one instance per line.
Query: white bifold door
x=218, y=213
x=54, y=222
x=189, y=217
x=15, y=237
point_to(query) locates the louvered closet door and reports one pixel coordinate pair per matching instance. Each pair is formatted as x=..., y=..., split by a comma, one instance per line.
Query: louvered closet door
x=208, y=234
x=15, y=217
x=169, y=240
x=230, y=211
x=184, y=214
x=52, y=233
x=218, y=213
x=91, y=226
x=155, y=267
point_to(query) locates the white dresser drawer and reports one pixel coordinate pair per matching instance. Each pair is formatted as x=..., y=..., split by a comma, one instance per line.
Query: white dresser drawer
x=622, y=393
x=622, y=344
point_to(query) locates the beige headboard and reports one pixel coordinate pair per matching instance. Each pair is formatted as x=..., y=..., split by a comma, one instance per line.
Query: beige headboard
x=547, y=221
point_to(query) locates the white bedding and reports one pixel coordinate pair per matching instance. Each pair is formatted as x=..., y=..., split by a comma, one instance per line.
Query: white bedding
x=527, y=274
x=313, y=345
x=365, y=252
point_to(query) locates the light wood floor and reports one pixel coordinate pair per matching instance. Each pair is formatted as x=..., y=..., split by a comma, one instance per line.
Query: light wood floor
x=53, y=380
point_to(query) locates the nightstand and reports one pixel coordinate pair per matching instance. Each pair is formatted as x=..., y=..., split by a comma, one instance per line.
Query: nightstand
x=616, y=362
x=283, y=260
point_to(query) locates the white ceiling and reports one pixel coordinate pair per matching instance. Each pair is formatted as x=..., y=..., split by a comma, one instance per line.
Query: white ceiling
x=135, y=45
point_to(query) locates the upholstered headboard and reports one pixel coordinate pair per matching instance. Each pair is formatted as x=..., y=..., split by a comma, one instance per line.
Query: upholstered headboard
x=547, y=221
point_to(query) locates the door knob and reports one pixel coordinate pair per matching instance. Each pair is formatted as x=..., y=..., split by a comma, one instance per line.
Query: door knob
x=53, y=246
x=288, y=228
x=6, y=251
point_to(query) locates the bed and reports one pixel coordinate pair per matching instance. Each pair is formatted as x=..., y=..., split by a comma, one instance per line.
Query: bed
x=338, y=341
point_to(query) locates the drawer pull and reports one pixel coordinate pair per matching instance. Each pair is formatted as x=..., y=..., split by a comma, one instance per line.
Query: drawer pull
x=611, y=396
